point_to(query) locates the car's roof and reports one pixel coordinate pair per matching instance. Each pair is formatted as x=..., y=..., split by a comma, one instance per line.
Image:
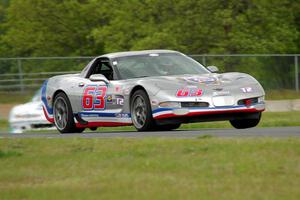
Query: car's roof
x=135, y=53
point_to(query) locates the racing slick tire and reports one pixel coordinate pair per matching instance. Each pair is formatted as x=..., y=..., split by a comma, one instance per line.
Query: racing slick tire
x=245, y=123
x=63, y=115
x=141, y=112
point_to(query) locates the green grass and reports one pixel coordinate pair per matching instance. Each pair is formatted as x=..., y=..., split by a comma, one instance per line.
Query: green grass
x=150, y=168
x=3, y=125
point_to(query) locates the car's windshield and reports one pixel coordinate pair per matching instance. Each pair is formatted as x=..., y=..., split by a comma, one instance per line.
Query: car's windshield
x=164, y=64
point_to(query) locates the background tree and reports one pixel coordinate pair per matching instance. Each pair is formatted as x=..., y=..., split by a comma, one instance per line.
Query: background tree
x=94, y=27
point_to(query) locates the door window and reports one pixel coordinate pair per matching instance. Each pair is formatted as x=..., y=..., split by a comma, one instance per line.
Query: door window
x=102, y=67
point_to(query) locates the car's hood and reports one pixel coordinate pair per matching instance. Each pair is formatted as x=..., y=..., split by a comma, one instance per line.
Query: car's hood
x=211, y=80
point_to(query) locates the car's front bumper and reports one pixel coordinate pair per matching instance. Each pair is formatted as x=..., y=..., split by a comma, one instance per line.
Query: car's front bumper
x=188, y=115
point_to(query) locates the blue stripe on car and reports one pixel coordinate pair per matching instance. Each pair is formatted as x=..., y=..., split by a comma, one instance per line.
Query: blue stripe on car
x=161, y=110
x=102, y=114
x=44, y=99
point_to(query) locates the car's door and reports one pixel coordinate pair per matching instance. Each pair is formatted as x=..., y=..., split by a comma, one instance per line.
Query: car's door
x=100, y=100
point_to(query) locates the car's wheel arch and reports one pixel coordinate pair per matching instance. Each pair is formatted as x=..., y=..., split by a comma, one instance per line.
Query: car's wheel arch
x=56, y=93
x=134, y=89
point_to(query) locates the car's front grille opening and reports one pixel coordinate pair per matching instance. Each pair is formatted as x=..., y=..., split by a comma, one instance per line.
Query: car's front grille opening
x=194, y=104
x=248, y=102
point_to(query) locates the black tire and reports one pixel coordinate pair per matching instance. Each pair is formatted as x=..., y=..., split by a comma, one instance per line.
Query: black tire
x=245, y=123
x=167, y=127
x=63, y=115
x=141, y=112
x=93, y=128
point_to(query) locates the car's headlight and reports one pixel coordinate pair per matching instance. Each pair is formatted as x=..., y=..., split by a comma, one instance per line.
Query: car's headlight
x=261, y=99
x=170, y=104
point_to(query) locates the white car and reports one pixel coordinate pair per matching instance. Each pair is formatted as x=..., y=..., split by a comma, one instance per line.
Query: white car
x=29, y=116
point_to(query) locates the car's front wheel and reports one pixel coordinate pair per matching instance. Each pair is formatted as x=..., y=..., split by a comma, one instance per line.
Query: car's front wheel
x=141, y=113
x=246, y=123
x=63, y=115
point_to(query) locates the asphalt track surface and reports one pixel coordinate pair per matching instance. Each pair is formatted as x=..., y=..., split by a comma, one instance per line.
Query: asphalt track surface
x=252, y=132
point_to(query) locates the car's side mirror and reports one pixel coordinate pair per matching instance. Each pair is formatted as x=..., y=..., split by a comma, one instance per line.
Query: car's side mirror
x=98, y=77
x=212, y=69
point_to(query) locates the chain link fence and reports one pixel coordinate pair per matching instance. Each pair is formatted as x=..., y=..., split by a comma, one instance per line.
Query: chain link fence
x=274, y=71
x=21, y=74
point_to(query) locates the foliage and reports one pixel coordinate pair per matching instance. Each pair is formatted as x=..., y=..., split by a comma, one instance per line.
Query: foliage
x=94, y=27
x=82, y=27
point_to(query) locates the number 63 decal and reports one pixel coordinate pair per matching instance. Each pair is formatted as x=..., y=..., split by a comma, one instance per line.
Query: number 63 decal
x=94, y=97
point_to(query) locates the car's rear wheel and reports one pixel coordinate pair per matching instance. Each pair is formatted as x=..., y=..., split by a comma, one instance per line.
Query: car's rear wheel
x=246, y=123
x=141, y=113
x=63, y=115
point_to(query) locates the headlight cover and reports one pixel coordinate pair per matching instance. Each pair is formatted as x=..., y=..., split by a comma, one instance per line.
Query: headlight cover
x=170, y=104
x=261, y=99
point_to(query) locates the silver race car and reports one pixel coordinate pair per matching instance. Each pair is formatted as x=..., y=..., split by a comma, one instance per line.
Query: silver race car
x=153, y=90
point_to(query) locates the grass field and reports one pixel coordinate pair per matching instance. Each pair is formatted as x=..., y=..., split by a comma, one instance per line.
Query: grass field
x=153, y=168
x=150, y=168
x=3, y=125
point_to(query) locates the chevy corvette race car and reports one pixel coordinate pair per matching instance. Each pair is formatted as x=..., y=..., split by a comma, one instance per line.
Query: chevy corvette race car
x=153, y=90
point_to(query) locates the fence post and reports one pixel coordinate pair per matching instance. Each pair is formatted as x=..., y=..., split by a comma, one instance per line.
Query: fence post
x=21, y=75
x=296, y=74
x=203, y=60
